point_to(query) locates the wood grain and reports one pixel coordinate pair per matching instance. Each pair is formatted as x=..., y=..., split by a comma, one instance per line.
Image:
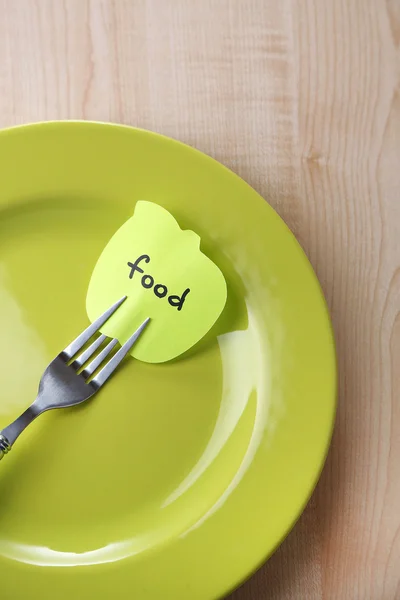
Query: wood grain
x=302, y=99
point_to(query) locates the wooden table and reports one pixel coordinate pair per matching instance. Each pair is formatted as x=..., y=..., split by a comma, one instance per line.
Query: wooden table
x=302, y=99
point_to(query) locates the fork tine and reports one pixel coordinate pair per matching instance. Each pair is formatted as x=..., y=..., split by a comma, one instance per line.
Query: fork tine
x=84, y=357
x=96, y=362
x=85, y=336
x=113, y=363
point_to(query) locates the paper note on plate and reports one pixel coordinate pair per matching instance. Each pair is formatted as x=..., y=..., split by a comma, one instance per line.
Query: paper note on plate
x=166, y=277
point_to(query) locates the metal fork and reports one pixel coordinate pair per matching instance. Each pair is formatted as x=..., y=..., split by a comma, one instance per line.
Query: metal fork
x=63, y=384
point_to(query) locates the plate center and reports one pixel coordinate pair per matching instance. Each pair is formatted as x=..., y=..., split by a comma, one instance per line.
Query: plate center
x=145, y=459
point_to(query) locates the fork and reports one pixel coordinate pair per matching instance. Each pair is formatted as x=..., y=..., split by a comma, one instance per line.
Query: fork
x=64, y=384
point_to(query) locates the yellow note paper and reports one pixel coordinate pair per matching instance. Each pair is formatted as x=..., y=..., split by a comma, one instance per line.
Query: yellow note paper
x=166, y=277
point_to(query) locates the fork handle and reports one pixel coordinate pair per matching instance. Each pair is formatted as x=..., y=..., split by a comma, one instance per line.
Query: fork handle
x=4, y=446
x=14, y=430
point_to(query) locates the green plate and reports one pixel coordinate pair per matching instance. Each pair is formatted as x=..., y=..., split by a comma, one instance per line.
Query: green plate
x=177, y=480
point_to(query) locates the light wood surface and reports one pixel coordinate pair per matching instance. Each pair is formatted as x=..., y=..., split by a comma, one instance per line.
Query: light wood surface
x=302, y=99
